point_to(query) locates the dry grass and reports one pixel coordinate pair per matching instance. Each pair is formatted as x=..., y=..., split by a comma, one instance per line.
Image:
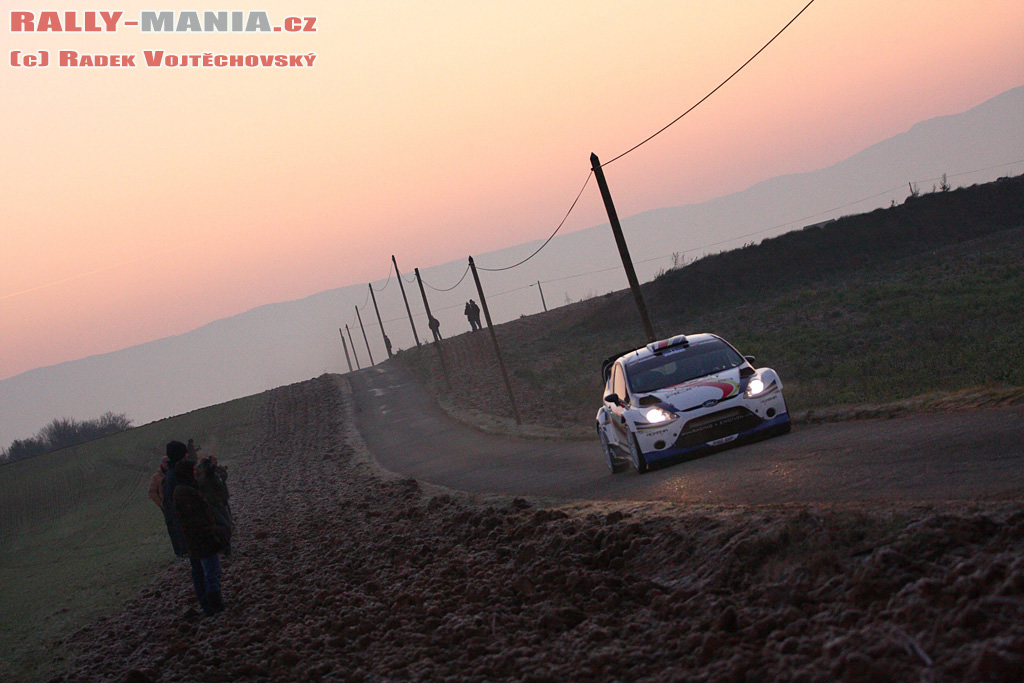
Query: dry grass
x=937, y=330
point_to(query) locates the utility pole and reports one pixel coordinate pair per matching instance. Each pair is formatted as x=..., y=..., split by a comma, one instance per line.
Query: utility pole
x=406, y=300
x=494, y=338
x=354, y=354
x=387, y=342
x=437, y=342
x=345, y=346
x=620, y=241
x=542, y=303
x=360, y=319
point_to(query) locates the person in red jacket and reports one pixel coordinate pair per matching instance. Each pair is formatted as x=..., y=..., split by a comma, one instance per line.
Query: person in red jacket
x=204, y=537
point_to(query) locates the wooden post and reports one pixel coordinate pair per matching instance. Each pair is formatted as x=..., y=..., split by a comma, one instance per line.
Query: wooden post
x=387, y=343
x=368, y=352
x=620, y=241
x=494, y=338
x=542, y=303
x=406, y=300
x=345, y=346
x=354, y=354
x=437, y=342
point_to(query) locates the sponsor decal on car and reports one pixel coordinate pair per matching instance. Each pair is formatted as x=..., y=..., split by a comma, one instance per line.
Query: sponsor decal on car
x=652, y=430
x=728, y=387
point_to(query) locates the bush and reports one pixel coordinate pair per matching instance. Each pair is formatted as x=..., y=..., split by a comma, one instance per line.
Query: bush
x=64, y=432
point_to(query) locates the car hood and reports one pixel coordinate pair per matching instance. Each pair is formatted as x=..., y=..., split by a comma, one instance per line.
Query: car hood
x=702, y=392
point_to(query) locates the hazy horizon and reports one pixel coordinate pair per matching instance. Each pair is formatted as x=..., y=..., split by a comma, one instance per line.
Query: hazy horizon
x=143, y=203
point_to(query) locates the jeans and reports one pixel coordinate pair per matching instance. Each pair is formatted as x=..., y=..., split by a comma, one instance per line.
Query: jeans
x=205, y=577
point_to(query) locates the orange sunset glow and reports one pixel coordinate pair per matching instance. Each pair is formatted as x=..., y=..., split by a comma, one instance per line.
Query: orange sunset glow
x=143, y=202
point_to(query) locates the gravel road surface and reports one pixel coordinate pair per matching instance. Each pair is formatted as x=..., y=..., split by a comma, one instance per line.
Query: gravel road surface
x=952, y=456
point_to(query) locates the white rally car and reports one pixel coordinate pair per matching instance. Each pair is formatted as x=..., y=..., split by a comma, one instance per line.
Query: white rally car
x=683, y=397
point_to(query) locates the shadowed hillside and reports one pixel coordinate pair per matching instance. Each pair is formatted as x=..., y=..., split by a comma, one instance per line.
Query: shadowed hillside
x=919, y=299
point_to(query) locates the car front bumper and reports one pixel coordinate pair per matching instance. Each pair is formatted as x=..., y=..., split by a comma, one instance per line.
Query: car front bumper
x=743, y=429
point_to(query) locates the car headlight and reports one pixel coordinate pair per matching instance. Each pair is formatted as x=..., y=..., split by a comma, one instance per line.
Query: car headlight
x=656, y=415
x=755, y=386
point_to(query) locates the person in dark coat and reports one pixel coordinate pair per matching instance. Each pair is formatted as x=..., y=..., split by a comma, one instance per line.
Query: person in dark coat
x=212, y=480
x=204, y=538
x=435, y=327
x=176, y=452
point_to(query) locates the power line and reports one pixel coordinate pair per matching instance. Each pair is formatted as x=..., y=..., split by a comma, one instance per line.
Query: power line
x=449, y=288
x=495, y=270
x=651, y=137
x=391, y=269
x=509, y=291
x=719, y=87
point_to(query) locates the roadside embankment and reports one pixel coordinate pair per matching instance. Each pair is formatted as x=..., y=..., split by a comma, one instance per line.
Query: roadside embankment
x=344, y=573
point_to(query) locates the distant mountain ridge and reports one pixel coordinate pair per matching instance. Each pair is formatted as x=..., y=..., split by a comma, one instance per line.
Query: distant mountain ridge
x=281, y=343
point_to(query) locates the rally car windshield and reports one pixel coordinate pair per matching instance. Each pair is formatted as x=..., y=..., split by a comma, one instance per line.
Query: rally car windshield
x=681, y=364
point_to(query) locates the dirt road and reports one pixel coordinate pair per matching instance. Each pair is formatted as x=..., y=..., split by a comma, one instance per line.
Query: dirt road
x=954, y=456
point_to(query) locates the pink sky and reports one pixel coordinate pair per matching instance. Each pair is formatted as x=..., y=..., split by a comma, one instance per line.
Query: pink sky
x=141, y=203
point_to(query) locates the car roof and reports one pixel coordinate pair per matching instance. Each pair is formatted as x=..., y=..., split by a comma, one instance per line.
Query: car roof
x=659, y=347
x=654, y=349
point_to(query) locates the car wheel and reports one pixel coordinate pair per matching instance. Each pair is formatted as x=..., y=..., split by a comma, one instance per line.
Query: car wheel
x=636, y=455
x=612, y=458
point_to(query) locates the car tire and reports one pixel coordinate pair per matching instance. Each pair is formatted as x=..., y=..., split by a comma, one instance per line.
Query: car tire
x=636, y=456
x=611, y=458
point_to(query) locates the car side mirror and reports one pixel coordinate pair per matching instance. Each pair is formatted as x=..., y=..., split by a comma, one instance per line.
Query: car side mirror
x=613, y=398
x=749, y=359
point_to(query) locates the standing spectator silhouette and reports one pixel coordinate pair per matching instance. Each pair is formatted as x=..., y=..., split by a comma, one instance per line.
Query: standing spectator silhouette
x=193, y=452
x=472, y=312
x=176, y=452
x=204, y=537
x=435, y=327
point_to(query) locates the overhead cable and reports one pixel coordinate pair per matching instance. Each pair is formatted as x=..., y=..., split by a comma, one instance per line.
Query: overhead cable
x=453, y=286
x=719, y=87
x=514, y=265
x=391, y=270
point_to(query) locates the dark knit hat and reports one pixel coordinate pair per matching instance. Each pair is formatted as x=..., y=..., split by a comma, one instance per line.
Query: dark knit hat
x=176, y=450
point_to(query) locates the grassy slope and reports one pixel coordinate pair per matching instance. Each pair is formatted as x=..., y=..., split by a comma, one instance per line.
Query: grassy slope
x=920, y=299
x=78, y=533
